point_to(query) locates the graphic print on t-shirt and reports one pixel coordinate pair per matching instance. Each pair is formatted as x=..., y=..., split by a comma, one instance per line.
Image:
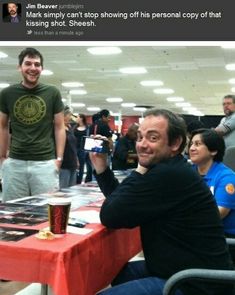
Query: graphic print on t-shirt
x=29, y=109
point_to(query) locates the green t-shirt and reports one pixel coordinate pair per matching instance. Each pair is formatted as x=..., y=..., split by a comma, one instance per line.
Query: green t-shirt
x=31, y=113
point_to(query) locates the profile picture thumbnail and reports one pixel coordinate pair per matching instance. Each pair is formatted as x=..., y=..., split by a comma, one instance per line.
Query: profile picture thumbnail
x=11, y=12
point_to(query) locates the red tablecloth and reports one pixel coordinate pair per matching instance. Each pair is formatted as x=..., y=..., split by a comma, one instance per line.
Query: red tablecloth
x=71, y=265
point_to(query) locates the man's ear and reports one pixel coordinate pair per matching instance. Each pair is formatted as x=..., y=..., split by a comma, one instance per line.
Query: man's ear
x=176, y=144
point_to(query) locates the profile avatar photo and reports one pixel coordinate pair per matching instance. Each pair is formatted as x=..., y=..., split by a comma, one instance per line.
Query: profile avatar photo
x=11, y=12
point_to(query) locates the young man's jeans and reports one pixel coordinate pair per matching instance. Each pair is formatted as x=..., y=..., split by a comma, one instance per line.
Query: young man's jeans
x=26, y=178
x=134, y=279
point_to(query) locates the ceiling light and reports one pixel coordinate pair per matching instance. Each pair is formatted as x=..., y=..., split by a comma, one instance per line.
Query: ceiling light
x=72, y=84
x=133, y=70
x=93, y=109
x=228, y=46
x=128, y=104
x=4, y=85
x=198, y=113
x=3, y=55
x=233, y=89
x=139, y=109
x=47, y=73
x=114, y=99
x=231, y=81
x=175, y=98
x=115, y=114
x=151, y=83
x=230, y=67
x=189, y=109
x=78, y=104
x=183, y=104
x=77, y=92
x=163, y=91
x=104, y=50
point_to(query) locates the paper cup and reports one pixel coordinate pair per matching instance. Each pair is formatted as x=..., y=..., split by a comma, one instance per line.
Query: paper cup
x=58, y=214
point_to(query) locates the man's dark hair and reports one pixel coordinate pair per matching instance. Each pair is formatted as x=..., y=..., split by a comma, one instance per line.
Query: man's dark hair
x=104, y=113
x=176, y=125
x=212, y=140
x=230, y=96
x=30, y=52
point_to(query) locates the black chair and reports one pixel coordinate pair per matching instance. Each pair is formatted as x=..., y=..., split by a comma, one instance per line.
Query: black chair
x=207, y=275
x=229, y=157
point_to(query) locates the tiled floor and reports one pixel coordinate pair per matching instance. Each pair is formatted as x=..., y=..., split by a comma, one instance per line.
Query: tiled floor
x=11, y=288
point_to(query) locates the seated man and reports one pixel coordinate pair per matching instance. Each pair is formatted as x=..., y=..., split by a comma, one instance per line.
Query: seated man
x=206, y=150
x=178, y=217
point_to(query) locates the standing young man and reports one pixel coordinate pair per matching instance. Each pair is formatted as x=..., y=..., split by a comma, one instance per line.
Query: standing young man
x=226, y=128
x=34, y=113
x=178, y=217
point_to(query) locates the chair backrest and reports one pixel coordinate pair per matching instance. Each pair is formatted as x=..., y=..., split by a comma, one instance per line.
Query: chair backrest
x=229, y=157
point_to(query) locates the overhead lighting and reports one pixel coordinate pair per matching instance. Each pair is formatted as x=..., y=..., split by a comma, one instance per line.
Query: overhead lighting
x=175, y=98
x=77, y=92
x=230, y=67
x=151, y=83
x=198, y=113
x=3, y=55
x=139, y=109
x=72, y=84
x=228, y=46
x=78, y=104
x=47, y=73
x=115, y=114
x=114, y=99
x=163, y=91
x=133, y=70
x=93, y=109
x=189, y=109
x=231, y=81
x=128, y=104
x=4, y=85
x=233, y=89
x=104, y=50
x=183, y=104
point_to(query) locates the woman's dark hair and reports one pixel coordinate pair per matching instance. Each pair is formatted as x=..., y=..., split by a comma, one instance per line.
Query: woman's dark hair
x=213, y=141
x=83, y=117
x=176, y=125
x=104, y=113
x=31, y=52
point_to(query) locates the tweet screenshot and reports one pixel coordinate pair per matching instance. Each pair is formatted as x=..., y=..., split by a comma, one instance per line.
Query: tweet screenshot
x=89, y=21
x=117, y=147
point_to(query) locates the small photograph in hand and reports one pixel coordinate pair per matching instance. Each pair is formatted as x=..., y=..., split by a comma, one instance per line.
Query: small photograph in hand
x=96, y=145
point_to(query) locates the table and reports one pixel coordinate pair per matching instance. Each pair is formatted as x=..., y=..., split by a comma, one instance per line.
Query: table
x=73, y=264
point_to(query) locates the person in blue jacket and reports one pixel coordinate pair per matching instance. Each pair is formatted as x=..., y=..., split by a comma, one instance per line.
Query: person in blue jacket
x=206, y=151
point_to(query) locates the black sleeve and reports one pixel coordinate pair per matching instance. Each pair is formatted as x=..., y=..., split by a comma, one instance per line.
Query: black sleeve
x=154, y=196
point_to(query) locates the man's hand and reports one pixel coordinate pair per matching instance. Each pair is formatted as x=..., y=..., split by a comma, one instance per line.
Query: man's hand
x=58, y=163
